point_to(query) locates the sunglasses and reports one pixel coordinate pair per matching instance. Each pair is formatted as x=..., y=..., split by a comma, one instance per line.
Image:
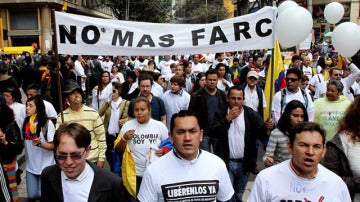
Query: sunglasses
x=63, y=157
x=291, y=79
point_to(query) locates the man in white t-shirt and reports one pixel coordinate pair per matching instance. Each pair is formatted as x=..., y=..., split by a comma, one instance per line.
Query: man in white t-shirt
x=164, y=66
x=197, y=66
x=107, y=64
x=186, y=173
x=301, y=178
x=306, y=68
x=291, y=92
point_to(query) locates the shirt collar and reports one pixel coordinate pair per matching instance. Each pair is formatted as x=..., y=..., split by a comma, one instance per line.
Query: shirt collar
x=179, y=92
x=81, y=177
x=192, y=161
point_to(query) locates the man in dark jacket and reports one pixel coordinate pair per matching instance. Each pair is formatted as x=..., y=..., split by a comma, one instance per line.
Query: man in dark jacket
x=236, y=129
x=205, y=103
x=74, y=178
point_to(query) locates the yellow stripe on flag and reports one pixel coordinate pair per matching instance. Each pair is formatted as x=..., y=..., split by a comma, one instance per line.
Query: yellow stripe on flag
x=271, y=76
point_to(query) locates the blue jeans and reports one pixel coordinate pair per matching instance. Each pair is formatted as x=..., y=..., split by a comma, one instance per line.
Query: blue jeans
x=33, y=185
x=206, y=144
x=238, y=179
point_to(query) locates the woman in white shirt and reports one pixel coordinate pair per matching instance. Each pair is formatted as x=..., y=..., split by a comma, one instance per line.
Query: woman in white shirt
x=101, y=92
x=38, y=133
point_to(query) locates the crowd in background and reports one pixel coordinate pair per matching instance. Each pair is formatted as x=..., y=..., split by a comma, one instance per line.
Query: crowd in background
x=317, y=85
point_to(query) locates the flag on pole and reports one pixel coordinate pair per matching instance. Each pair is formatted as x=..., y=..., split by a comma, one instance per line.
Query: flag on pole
x=275, y=67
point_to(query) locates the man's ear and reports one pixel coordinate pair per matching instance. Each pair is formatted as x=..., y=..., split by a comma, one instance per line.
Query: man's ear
x=289, y=147
x=171, y=138
x=324, y=151
x=88, y=151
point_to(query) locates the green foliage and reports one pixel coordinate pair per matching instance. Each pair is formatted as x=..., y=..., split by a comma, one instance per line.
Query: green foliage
x=197, y=11
x=156, y=11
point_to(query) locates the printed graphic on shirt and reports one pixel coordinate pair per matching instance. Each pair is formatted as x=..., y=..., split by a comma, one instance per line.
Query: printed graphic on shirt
x=140, y=138
x=204, y=190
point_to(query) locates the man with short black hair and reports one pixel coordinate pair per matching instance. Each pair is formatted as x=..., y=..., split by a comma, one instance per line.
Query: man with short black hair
x=301, y=178
x=291, y=92
x=158, y=111
x=74, y=178
x=186, y=173
x=205, y=103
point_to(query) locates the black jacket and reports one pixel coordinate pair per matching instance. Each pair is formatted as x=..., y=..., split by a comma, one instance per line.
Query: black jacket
x=254, y=128
x=199, y=107
x=15, y=145
x=106, y=186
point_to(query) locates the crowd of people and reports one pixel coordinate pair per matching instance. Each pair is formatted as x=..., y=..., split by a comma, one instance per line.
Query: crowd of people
x=177, y=128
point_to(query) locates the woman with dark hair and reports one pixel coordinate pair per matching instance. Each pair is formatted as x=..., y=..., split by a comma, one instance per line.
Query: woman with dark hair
x=102, y=91
x=38, y=133
x=199, y=83
x=342, y=156
x=116, y=114
x=129, y=82
x=276, y=150
x=10, y=145
x=224, y=80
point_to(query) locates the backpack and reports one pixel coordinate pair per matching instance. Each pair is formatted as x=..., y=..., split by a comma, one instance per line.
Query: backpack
x=283, y=94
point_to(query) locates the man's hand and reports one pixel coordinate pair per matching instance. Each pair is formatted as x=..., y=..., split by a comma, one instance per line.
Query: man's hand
x=100, y=164
x=268, y=161
x=233, y=113
x=269, y=124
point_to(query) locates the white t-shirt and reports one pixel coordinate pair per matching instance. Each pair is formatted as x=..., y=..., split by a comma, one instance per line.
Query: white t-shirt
x=140, y=65
x=79, y=69
x=146, y=137
x=199, y=67
x=236, y=137
x=107, y=66
x=174, y=179
x=50, y=110
x=174, y=103
x=39, y=158
x=317, y=81
x=165, y=69
x=276, y=104
x=307, y=71
x=280, y=183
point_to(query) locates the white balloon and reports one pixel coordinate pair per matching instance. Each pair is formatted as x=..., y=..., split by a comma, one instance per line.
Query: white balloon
x=334, y=12
x=286, y=4
x=293, y=26
x=346, y=38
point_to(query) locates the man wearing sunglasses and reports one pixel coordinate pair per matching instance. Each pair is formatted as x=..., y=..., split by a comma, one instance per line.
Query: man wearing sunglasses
x=347, y=81
x=291, y=92
x=74, y=178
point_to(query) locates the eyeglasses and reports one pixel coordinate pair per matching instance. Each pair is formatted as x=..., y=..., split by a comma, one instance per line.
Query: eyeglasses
x=63, y=157
x=291, y=79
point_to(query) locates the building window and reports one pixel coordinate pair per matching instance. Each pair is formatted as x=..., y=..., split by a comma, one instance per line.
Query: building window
x=23, y=20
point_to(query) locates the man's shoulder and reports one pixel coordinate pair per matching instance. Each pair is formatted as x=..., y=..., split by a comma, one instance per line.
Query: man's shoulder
x=329, y=175
x=51, y=170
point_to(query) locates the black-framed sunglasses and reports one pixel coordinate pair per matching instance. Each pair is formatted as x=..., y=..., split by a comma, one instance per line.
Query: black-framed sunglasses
x=63, y=157
x=291, y=79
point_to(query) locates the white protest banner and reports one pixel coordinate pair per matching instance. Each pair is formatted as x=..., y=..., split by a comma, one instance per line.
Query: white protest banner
x=78, y=34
